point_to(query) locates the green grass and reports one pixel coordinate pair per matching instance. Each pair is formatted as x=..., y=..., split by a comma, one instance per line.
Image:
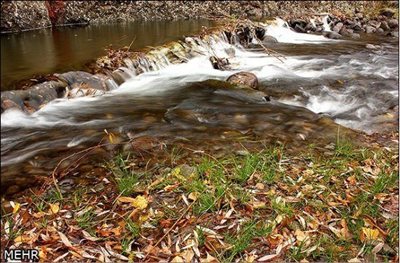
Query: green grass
x=132, y=227
x=384, y=181
x=281, y=208
x=125, y=178
x=86, y=220
x=205, y=202
x=243, y=239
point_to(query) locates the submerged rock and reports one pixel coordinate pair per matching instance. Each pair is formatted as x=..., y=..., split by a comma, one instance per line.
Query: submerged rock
x=269, y=39
x=246, y=79
x=331, y=35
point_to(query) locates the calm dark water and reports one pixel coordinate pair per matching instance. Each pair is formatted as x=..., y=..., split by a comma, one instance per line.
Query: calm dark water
x=62, y=49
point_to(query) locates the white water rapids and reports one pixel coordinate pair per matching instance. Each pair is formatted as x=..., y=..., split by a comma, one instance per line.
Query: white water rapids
x=338, y=78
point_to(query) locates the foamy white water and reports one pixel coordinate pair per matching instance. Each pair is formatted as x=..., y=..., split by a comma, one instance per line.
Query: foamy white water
x=351, y=105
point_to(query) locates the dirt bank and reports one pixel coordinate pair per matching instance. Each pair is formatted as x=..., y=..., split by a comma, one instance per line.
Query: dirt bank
x=27, y=15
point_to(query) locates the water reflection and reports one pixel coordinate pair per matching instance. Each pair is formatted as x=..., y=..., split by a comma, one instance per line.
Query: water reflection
x=62, y=49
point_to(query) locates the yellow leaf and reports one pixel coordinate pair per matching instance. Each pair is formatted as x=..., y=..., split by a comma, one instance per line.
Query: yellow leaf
x=140, y=202
x=177, y=259
x=54, y=208
x=22, y=239
x=369, y=234
x=16, y=207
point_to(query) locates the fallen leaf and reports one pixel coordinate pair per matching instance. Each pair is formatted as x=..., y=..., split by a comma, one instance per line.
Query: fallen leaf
x=378, y=248
x=140, y=202
x=193, y=196
x=267, y=257
x=89, y=237
x=209, y=259
x=369, y=234
x=177, y=259
x=54, y=208
x=64, y=239
x=16, y=206
x=22, y=239
x=125, y=199
x=354, y=260
x=300, y=235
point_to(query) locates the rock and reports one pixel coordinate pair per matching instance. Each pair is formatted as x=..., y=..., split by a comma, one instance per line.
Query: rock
x=370, y=46
x=356, y=27
x=380, y=31
x=387, y=12
x=83, y=80
x=355, y=36
x=393, y=23
x=245, y=79
x=310, y=27
x=393, y=34
x=369, y=29
x=7, y=104
x=219, y=63
x=359, y=15
x=269, y=39
x=299, y=29
x=346, y=31
x=385, y=26
x=338, y=27
x=331, y=35
x=301, y=23
x=374, y=23
x=260, y=32
x=33, y=98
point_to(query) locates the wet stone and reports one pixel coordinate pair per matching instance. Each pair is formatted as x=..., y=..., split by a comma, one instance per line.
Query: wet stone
x=245, y=79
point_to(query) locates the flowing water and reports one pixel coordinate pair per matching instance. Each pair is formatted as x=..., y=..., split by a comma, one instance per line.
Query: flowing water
x=64, y=48
x=317, y=81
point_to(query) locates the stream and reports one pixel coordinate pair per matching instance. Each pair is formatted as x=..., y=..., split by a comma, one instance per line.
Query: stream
x=318, y=81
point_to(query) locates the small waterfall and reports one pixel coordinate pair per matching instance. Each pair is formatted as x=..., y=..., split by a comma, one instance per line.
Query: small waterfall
x=325, y=25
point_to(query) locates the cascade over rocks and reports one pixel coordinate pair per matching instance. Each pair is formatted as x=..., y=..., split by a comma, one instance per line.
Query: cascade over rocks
x=34, y=98
x=70, y=84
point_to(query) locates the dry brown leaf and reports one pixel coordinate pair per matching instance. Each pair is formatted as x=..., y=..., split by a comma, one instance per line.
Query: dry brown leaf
x=267, y=257
x=64, y=239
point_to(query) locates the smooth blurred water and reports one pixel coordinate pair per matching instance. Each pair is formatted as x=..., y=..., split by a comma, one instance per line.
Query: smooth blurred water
x=316, y=84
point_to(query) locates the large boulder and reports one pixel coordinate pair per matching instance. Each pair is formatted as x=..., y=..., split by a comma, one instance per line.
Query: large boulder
x=34, y=98
x=244, y=79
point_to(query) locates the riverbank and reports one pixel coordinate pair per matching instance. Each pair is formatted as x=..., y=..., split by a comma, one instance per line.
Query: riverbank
x=18, y=16
x=337, y=203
